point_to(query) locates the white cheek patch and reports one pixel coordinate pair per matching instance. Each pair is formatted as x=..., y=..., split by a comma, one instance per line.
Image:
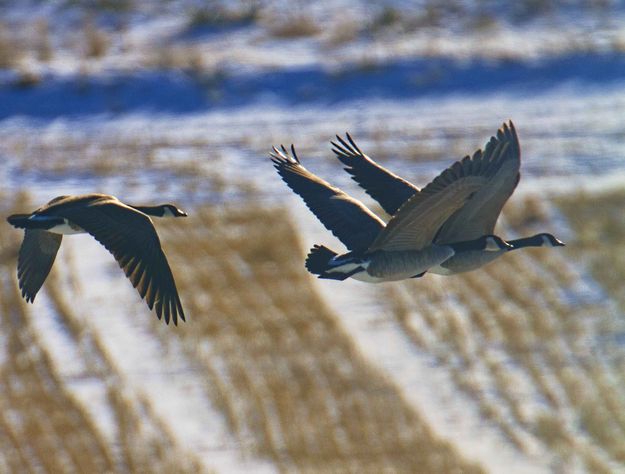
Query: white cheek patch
x=491, y=245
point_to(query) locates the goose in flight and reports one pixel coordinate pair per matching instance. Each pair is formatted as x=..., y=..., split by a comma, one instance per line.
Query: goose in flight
x=125, y=231
x=404, y=247
x=475, y=218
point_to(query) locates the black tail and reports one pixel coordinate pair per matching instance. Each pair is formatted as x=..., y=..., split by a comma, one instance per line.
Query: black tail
x=318, y=258
x=23, y=221
x=18, y=220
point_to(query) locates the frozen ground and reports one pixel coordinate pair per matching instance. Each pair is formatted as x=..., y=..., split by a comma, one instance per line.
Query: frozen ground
x=417, y=100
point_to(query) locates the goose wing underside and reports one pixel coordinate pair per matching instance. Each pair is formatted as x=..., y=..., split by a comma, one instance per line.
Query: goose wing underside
x=385, y=187
x=130, y=236
x=479, y=215
x=348, y=219
x=35, y=259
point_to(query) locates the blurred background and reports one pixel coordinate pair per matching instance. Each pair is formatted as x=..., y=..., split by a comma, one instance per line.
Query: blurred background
x=517, y=367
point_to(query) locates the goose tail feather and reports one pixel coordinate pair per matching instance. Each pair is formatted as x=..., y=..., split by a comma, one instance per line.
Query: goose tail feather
x=27, y=221
x=318, y=259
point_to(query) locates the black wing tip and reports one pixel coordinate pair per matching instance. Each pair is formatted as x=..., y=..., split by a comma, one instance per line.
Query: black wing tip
x=353, y=144
x=346, y=150
x=511, y=139
x=177, y=315
x=507, y=132
x=180, y=313
x=164, y=301
x=169, y=312
x=287, y=164
x=509, y=125
x=501, y=147
x=282, y=157
x=28, y=296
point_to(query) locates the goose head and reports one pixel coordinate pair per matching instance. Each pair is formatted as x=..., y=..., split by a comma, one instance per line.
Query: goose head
x=163, y=210
x=169, y=210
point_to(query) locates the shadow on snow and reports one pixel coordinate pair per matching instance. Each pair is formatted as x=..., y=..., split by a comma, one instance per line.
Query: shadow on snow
x=178, y=92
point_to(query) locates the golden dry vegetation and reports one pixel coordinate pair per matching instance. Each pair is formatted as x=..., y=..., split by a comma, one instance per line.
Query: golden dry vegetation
x=529, y=321
x=43, y=427
x=531, y=343
x=292, y=378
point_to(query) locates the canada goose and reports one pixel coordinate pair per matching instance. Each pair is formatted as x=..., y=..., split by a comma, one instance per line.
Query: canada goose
x=478, y=215
x=402, y=248
x=126, y=231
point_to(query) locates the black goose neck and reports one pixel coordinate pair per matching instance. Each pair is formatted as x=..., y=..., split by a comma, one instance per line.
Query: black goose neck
x=156, y=211
x=466, y=245
x=533, y=241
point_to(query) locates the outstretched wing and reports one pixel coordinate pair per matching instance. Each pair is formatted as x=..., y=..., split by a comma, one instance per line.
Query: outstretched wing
x=35, y=259
x=130, y=236
x=479, y=215
x=418, y=222
x=348, y=219
x=387, y=188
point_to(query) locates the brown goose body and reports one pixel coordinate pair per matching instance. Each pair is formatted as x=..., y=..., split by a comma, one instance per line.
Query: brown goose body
x=126, y=231
x=475, y=218
x=404, y=247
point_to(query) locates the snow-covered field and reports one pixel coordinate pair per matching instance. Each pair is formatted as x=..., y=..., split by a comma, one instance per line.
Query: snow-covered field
x=181, y=101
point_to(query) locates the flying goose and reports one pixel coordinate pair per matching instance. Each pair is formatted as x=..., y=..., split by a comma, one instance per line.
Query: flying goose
x=403, y=248
x=477, y=217
x=126, y=231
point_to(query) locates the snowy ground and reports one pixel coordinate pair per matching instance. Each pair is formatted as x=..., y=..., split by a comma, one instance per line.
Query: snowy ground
x=417, y=100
